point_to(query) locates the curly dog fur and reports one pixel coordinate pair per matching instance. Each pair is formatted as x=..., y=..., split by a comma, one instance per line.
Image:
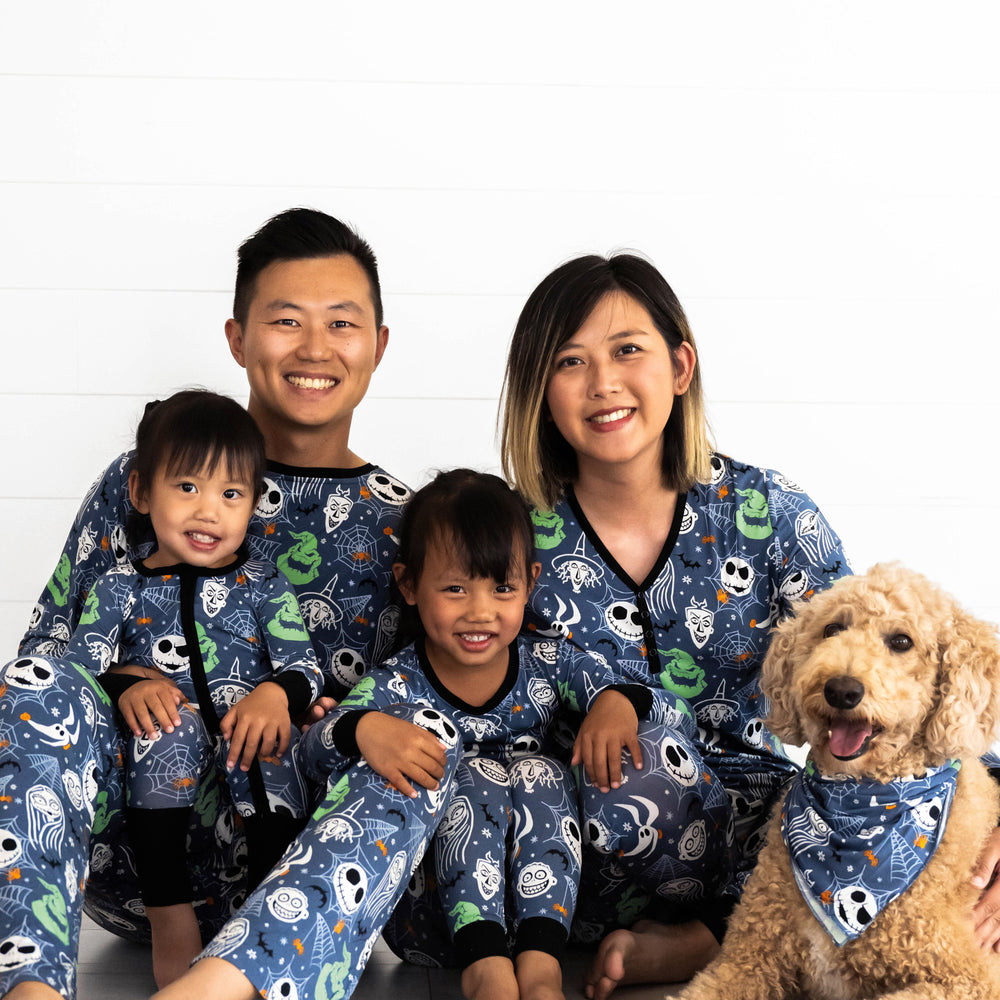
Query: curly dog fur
x=927, y=701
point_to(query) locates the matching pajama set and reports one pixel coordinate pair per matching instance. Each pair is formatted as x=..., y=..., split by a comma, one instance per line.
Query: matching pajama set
x=507, y=850
x=62, y=754
x=741, y=549
x=217, y=634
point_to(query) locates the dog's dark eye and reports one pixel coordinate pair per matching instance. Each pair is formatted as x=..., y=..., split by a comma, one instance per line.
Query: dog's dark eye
x=834, y=628
x=899, y=643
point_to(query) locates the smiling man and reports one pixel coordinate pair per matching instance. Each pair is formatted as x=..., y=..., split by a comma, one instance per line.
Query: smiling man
x=307, y=327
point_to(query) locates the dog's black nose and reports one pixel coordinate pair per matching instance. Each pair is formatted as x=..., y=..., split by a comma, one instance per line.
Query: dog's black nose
x=843, y=692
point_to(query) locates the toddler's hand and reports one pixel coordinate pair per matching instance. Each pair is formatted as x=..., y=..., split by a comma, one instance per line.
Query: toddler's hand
x=149, y=702
x=610, y=725
x=401, y=752
x=257, y=724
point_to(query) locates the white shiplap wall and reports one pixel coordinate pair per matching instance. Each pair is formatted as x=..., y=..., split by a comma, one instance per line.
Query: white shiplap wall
x=818, y=181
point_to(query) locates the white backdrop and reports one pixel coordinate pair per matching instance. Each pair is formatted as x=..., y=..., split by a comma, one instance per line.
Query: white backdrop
x=818, y=181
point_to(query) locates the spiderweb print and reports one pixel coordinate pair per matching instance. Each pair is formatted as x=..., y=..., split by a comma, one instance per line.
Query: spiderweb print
x=171, y=769
x=354, y=606
x=905, y=861
x=357, y=546
x=240, y=622
x=723, y=513
x=14, y=898
x=781, y=502
x=164, y=599
x=735, y=646
x=47, y=770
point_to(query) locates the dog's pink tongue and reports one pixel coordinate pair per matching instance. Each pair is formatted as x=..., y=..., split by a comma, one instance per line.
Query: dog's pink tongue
x=847, y=736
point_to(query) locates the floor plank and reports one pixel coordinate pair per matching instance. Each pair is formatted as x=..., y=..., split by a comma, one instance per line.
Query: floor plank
x=113, y=969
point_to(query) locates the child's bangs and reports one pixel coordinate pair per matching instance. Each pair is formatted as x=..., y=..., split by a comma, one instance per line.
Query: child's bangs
x=487, y=544
x=238, y=460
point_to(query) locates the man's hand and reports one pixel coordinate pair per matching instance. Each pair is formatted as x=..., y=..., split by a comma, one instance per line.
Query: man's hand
x=401, y=752
x=609, y=726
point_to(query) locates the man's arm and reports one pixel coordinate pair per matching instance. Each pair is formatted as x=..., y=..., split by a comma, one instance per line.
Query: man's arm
x=95, y=543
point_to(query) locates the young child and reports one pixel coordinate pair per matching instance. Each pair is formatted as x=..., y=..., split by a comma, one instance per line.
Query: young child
x=196, y=631
x=507, y=850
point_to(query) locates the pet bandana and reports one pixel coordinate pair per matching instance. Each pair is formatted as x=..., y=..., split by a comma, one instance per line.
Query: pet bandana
x=855, y=845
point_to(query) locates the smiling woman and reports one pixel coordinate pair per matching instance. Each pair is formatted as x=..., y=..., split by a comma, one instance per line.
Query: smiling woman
x=606, y=392
x=674, y=562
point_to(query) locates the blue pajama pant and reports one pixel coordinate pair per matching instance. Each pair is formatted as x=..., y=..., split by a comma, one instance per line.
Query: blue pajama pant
x=309, y=928
x=506, y=852
x=163, y=779
x=165, y=773
x=61, y=799
x=660, y=845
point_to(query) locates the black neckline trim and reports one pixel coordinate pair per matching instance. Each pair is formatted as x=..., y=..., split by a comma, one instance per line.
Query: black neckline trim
x=613, y=564
x=506, y=685
x=186, y=569
x=318, y=472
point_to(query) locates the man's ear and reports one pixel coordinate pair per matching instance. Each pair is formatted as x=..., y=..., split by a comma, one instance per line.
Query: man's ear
x=136, y=494
x=234, y=334
x=381, y=342
x=533, y=573
x=404, y=583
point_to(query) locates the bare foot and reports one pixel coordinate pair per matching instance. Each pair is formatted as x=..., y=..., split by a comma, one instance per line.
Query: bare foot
x=211, y=977
x=176, y=940
x=490, y=979
x=539, y=976
x=650, y=953
x=32, y=991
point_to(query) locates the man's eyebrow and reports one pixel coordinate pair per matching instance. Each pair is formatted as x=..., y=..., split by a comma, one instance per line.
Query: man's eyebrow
x=348, y=305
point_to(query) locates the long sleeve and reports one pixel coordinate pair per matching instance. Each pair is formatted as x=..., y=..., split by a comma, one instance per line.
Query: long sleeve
x=95, y=543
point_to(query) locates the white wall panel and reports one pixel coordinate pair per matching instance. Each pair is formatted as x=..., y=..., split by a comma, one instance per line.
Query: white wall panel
x=814, y=244
x=494, y=136
x=770, y=45
x=818, y=182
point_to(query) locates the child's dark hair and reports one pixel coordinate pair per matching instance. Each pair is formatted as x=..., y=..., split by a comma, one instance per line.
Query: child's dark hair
x=484, y=522
x=300, y=234
x=196, y=429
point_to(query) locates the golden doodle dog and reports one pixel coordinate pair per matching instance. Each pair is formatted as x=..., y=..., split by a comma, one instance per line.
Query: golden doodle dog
x=863, y=886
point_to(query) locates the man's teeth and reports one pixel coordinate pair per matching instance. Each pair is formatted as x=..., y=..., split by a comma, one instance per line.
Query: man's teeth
x=199, y=537
x=607, y=418
x=311, y=383
x=476, y=636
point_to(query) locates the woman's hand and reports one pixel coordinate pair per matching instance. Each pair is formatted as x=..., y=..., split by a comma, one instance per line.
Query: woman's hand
x=986, y=913
x=257, y=724
x=609, y=726
x=150, y=704
x=401, y=752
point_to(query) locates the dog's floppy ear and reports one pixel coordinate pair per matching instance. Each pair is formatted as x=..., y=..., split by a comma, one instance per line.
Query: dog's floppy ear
x=783, y=719
x=965, y=719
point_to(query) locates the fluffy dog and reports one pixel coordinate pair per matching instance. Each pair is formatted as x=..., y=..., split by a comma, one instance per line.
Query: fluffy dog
x=889, y=682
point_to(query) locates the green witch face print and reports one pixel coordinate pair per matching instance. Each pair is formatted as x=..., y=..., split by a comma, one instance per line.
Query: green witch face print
x=302, y=561
x=58, y=585
x=549, y=527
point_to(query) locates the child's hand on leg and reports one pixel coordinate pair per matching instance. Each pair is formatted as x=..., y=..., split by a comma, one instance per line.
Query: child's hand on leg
x=401, y=752
x=151, y=702
x=258, y=723
x=610, y=725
